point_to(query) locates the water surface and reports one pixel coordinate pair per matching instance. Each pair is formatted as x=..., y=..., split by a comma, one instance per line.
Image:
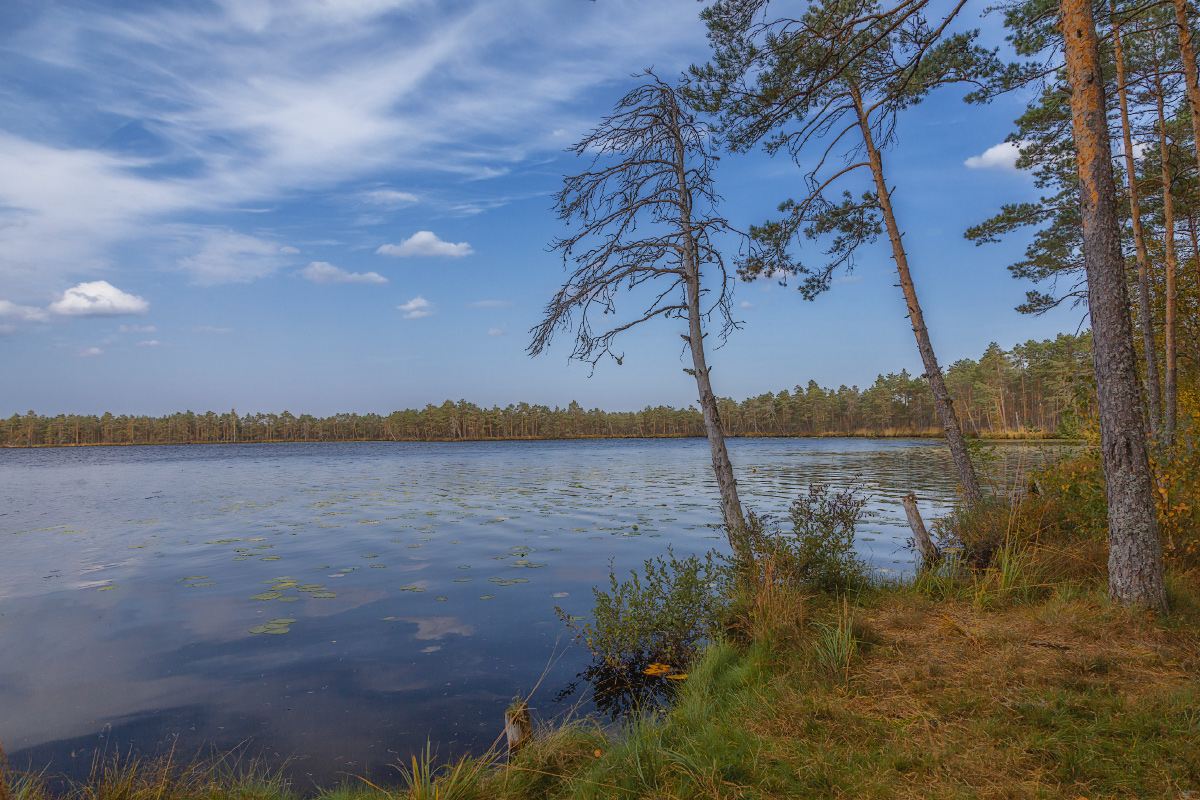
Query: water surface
x=339, y=605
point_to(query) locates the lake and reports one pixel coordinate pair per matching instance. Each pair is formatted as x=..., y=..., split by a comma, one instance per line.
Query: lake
x=339, y=605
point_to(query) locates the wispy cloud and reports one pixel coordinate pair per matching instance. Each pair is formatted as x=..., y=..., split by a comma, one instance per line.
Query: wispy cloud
x=324, y=272
x=98, y=299
x=497, y=332
x=390, y=198
x=228, y=257
x=745, y=304
x=243, y=105
x=137, y=329
x=10, y=310
x=90, y=352
x=425, y=243
x=149, y=343
x=847, y=279
x=416, y=308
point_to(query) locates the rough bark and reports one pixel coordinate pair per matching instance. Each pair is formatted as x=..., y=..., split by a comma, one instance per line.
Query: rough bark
x=731, y=506
x=967, y=478
x=930, y=555
x=1171, y=373
x=1149, y=346
x=1187, y=54
x=1135, y=568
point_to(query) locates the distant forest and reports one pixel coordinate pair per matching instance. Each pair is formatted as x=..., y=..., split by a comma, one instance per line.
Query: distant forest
x=1039, y=388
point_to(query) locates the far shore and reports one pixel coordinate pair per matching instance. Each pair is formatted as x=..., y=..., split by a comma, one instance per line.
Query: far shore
x=1012, y=437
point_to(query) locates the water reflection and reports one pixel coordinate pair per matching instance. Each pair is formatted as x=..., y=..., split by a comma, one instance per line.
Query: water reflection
x=340, y=604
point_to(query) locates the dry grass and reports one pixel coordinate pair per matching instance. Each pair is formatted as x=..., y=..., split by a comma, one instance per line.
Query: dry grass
x=1072, y=698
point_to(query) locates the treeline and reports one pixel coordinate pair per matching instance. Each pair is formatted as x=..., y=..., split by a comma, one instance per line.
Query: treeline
x=1042, y=388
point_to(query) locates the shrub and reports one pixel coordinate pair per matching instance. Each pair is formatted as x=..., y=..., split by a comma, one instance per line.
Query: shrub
x=818, y=553
x=663, y=616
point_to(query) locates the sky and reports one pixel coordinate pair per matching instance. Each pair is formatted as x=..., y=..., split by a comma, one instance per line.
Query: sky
x=346, y=206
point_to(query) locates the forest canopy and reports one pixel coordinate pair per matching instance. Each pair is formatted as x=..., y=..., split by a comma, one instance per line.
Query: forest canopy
x=1039, y=388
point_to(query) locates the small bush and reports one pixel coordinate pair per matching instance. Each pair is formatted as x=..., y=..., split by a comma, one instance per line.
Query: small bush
x=663, y=616
x=818, y=553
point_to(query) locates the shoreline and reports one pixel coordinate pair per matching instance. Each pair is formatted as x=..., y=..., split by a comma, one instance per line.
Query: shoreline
x=999, y=438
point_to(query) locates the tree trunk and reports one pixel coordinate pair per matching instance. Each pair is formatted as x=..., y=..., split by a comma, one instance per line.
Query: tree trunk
x=1171, y=392
x=731, y=506
x=930, y=555
x=1149, y=348
x=933, y=373
x=1187, y=54
x=1135, y=568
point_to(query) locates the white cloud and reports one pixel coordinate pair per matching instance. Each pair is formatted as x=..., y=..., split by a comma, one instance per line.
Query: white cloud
x=497, y=332
x=10, y=310
x=416, y=308
x=149, y=343
x=390, y=197
x=491, y=304
x=848, y=279
x=90, y=352
x=425, y=243
x=98, y=299
x=745, y=304
x=228, y=257
x=137, y=329
x=1001, y=156
x=271, y=101
x=211, y=329
x=324, y=272
x=289, y=250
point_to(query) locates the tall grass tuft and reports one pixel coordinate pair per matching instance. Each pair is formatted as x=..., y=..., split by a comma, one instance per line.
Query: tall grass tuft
x=459, y=780
x=836, y=645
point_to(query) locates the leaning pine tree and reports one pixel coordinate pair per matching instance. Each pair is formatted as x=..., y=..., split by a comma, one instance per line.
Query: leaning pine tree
x=827, y=87
x=646, y=217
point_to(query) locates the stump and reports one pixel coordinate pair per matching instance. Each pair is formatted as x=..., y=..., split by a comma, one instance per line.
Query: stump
x=930, y=555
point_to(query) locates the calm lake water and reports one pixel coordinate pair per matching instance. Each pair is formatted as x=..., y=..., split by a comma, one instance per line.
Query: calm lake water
x=340, y=605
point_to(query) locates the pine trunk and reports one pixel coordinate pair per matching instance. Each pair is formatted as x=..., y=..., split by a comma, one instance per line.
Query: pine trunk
x=731, y=506
x=1171, y=391
x=1135, y=568
x=967, y=479
x=1149, y=347
x=1187, y=54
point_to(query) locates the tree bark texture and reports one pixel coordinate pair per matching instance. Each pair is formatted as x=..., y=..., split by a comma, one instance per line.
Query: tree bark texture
x=1149, y=347
x=1135, y=568
x=967, y=478
x=1171, y=388
x=930, y=555
x=1187, y=54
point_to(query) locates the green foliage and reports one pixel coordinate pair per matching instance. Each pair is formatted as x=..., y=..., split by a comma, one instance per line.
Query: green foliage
x=818, y=552
x=425, y=780
x=836, y=645
x=663, y=615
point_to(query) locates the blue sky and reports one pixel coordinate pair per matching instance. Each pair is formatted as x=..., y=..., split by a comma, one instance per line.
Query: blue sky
x=345, y=205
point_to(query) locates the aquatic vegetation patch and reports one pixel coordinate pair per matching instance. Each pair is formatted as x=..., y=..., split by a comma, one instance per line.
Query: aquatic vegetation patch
x=274, y=627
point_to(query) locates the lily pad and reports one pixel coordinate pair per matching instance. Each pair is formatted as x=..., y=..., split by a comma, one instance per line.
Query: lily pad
x=322, y=594
x=267, y=596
